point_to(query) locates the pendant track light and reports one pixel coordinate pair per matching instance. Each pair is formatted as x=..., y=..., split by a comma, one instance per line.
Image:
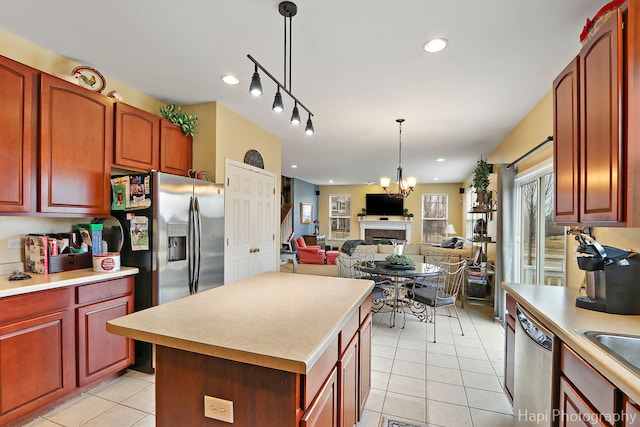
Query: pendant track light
x=256, y=85
x=288, y=10
x=295, y=115
x=308, y=129
x=278, y=106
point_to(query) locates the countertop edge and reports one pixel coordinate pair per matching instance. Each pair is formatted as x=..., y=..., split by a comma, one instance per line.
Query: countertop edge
x=612, y=369
x=63, y=279
x=298, y=364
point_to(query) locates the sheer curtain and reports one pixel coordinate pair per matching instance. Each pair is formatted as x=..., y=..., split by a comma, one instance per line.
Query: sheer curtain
x=505, y=234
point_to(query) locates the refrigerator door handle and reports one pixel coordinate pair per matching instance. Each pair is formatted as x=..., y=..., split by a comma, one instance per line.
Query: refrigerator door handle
x=190, y=245
x=197, y=244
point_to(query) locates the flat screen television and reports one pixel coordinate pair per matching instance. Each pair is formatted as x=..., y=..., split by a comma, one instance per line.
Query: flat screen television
x=381, y=204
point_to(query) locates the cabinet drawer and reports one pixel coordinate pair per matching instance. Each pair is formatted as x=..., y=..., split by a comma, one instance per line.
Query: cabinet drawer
x=365, y=308
x=104, y=290
x=593, y=386
x=348, y=331
x=33, y=304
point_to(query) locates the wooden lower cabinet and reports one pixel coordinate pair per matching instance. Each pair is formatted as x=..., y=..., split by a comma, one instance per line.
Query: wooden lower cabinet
x=46, y=352
x=364, y=363
x=37, y=351
x=574, y=410
x=631, y=414
x=509, y=346
x=323, y=412
x=99, y=352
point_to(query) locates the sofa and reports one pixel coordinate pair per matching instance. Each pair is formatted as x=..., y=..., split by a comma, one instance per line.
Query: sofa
x=416, y=251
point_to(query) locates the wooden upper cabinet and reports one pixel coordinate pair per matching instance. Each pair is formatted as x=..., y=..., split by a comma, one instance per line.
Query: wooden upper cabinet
x=137, y=138
x=76, y=146
x=176, y=149
x=601, y=136
x=566, y=147
x=18, y=121
x=593, y=131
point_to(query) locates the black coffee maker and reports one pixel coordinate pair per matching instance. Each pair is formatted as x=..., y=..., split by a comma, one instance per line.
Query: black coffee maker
x=612, y=277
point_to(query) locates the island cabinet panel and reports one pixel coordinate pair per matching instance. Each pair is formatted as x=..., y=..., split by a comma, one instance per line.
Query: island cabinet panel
x=37, y=352
x=318, y=374
x=323, y=412
x=261, y=396
x=137, y=138
x=99, y=352
x=348, y=379
x=76, y=145
x=18, y=131
x=364, y=364
x=176, y=149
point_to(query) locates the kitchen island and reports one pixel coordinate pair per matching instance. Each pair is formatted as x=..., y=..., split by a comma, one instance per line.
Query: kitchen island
x=282, y=347
x=600, y=375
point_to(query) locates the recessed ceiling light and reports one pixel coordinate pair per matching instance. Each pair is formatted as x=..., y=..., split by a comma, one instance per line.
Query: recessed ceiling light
x=294, y=166
x=435, y=45
x=229, y=79
x=436, y=179
x=330, y=181
x=440, y=159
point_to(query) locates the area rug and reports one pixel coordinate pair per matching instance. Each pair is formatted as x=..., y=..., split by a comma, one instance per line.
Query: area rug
x=391, y=422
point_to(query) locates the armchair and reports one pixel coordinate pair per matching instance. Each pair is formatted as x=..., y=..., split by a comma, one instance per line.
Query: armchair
x=309, y=254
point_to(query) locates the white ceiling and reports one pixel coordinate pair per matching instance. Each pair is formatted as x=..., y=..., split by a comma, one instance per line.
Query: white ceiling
x=358, y=65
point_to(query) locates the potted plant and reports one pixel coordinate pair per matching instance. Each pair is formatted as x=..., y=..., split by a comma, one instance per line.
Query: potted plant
x=406, y=214
x=480, y=181
x=363, y=213
x=178, y=116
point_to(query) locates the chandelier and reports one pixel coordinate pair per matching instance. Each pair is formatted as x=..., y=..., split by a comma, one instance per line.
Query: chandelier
x=404, y=187
x=288, y=10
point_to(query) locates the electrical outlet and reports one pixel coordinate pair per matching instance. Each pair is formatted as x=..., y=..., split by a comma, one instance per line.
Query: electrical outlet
x=14, y=243
x=218, y=409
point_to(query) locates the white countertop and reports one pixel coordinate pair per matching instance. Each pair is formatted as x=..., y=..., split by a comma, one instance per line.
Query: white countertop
x=276, y=320
x=41, y=282
x=556, y=308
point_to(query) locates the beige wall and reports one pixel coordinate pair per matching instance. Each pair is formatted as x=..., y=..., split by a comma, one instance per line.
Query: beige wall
x=533, y=129
x=412, y=203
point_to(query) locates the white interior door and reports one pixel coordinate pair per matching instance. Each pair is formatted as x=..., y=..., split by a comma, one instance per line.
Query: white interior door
x=250, y=203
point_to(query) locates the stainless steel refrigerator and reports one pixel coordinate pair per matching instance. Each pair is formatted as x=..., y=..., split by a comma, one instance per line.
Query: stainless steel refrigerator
x=173, y=230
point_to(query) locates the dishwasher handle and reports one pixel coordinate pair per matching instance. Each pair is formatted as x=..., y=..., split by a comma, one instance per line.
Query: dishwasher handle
x=536, y=332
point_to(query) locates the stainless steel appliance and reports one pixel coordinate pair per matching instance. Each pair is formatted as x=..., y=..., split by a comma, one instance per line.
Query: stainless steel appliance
x=173, y=229
x=611, y=277
x=533, y=372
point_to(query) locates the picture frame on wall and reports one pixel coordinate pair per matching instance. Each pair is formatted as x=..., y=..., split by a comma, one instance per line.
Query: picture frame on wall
x=306, y=213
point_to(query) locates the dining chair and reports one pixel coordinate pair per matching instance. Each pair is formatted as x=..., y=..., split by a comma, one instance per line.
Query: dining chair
x=445, y=296
x=432, y=260
x=349, y=267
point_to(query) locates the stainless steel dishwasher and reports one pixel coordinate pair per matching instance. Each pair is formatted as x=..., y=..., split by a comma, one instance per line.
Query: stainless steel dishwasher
x=532, y=389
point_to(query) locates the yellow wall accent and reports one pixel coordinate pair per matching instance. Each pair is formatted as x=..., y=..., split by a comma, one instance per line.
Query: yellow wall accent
x=223, y=134
x=533, y=129
x=413, y=203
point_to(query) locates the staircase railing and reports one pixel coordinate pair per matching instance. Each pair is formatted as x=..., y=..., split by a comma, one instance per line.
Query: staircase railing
x=286, y=224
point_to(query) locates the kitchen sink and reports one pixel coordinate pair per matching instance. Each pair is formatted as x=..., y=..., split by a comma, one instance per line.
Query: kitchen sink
x=625, y=348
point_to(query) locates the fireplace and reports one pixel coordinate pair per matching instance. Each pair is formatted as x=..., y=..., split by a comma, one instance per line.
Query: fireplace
x=373, y=235
x=371, y=230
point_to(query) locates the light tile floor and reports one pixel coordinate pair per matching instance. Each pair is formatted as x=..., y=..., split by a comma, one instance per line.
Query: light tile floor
x=455, y=382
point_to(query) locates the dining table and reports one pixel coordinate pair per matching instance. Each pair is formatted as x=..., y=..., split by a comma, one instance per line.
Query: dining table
x=401, y=276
